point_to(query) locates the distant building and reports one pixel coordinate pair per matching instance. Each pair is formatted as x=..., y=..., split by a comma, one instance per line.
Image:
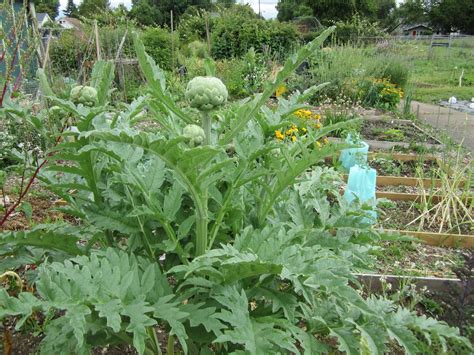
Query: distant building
x=416, y=30
x=42, y=18
x=70, y=23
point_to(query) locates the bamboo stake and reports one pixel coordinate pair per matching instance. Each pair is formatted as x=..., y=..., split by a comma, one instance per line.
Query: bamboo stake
x=122, y=42
x=172, y=41
x=97, y=43
x=46, y=52
x=208, y=35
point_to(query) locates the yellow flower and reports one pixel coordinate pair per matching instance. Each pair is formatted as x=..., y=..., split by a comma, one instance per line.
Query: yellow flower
x=318, y=125
x=280, y=91
x=279, y=135
x=293, y=138
x=318, y=144
x=317, y=117
x=325, y=140
x=303, y=114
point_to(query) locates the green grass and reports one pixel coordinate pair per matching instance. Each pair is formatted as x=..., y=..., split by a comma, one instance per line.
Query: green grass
x=435, y=77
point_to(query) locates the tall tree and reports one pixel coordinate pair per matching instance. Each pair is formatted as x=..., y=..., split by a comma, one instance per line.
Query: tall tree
x=328, y=11
x=453, y=15
x=51, y=7
x=290, y=9
x=158, y=12
x=71, y=9
x=91, y=8
x=413, y=11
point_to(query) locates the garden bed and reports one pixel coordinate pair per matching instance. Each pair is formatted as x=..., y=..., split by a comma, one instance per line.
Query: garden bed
x=407, y=258
x=397, y=215
x=395, y=131
x=410, y=168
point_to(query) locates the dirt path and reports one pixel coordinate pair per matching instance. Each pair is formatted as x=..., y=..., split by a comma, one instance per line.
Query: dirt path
x=458, y=125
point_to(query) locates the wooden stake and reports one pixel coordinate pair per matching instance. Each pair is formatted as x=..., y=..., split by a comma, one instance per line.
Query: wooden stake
x=122, y=42
x=172, y=41
x=46, y=52
x=208, y=35
x=97, y=42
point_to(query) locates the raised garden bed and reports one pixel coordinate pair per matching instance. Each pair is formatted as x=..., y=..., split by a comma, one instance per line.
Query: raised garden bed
x=394, y=130
x=410, y=168
x=415, y=258
x=396, y=217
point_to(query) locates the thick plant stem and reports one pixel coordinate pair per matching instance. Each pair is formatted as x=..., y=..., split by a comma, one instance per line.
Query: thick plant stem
x=201, y=232
x=206, y=126
x=170, y=345
x=201, y=219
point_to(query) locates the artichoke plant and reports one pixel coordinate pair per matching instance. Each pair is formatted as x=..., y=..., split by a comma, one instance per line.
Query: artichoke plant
x=85, y=95
x=206, y=93
x=195, y=134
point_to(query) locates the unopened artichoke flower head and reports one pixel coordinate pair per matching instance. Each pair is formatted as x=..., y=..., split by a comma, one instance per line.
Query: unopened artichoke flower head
x=206, y=93
x=85, y=95
x=194, y=134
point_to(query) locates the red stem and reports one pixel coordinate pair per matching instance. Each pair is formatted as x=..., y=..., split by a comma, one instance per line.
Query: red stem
x=17, y=203
x=13, y=207
x=9, y=73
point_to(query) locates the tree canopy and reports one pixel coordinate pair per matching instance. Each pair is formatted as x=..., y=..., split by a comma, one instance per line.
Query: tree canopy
x=158, y=12
x=328, y=11
x=51, y=7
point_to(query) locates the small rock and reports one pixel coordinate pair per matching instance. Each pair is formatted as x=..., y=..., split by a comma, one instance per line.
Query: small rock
x=452, y=100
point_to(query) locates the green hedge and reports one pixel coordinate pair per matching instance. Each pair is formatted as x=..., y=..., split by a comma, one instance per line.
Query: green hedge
x=233, y=36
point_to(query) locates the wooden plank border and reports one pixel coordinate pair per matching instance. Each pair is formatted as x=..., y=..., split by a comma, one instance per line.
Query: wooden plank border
x=439, y=239
x=401, y=180
x=403, y=196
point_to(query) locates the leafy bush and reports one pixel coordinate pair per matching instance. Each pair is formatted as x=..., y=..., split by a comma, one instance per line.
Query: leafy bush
x=357, y=30
x=232, y=72
x=196, y=49
x=238, y=245
x=68, y=52
x=235, y=33
x=158, y=44
x=379, y=93
x=395, y=71
x=192, y=26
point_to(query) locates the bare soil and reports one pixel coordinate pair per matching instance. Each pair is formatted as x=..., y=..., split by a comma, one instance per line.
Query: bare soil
x=399, y=215
x=377, y=130
x=390, y=167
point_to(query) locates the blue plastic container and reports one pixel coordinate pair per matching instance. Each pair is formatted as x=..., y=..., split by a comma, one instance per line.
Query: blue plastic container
x=361, y=185
x=352, y=156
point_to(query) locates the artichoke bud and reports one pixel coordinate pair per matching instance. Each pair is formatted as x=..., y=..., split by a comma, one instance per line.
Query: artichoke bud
x=86, y=95
x=206, y=93
x=194, y=134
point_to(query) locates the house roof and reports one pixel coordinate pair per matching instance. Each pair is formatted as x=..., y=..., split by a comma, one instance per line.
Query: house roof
x=413, y=26
x=42, y=16
x=72, y=21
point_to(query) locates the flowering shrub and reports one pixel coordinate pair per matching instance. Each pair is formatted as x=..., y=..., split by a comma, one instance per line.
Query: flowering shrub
x=306, y=118
x=389, y=94
x=381, y=93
